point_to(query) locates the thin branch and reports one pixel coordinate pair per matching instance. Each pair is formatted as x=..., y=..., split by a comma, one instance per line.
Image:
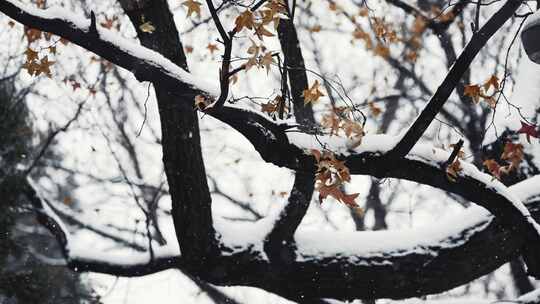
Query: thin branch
x=45, y=146
x=46, y=217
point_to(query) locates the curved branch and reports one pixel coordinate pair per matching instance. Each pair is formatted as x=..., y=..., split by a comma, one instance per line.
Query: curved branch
x=361, y=267
x=279, y=243
x=86, y=260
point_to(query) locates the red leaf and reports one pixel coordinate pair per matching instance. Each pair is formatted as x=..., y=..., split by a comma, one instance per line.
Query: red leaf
x=529, y=130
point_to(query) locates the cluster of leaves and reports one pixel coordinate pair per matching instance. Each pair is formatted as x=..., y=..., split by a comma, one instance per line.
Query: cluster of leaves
x=330, y=178
x=276, y=106
x=33, y=64
x=419, y=27
x=259, y=57
x=512, y=155
x=480, y=92
x=341, y=119
x=37, y=57
x=272, y=12
x=383, y=31
x=36, y=66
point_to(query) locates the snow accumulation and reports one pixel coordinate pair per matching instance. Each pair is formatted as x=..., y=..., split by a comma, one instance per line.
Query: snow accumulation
x=381, y=143
x=82, y=248
x=531, y=297
x=340, y=145
x=129, y=46
x=449, y=232
x=446, y=233
x=532, y=20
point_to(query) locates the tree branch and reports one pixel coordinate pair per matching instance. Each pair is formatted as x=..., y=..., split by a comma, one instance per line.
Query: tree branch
x=461, y=65
x=79, y=261
x=182, y=155
x=465, y=252
x=279, y=243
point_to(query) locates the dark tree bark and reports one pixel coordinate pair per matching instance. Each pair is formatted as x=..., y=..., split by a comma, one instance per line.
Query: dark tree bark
x=182, y=156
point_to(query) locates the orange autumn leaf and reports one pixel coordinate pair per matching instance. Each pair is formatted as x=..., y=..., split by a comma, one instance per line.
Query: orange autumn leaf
x=513, y=153
x=473, y=91
x=493, y=81
x=31, y=55
x=331, y=121
x=352, y=129
x=244, y=20
x=194, y=7
x=493, y=167
x=453, y=169
x=382, y=50
x=312, y=94
x=276, y=106
x=212, y=48
x=374, y=109
x=261, y=31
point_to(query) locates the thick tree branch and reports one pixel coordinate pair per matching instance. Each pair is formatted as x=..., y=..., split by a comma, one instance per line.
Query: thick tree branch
x=479, y=247
x=182, y=156
x=279, y=244
x=296, y=70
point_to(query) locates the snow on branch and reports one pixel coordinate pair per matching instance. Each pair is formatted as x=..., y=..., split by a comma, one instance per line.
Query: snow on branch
x=392, y=264
x=144, y=63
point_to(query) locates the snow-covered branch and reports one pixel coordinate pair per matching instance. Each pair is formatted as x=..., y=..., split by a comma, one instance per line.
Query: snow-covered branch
x=144, y=63
x=392, y=264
